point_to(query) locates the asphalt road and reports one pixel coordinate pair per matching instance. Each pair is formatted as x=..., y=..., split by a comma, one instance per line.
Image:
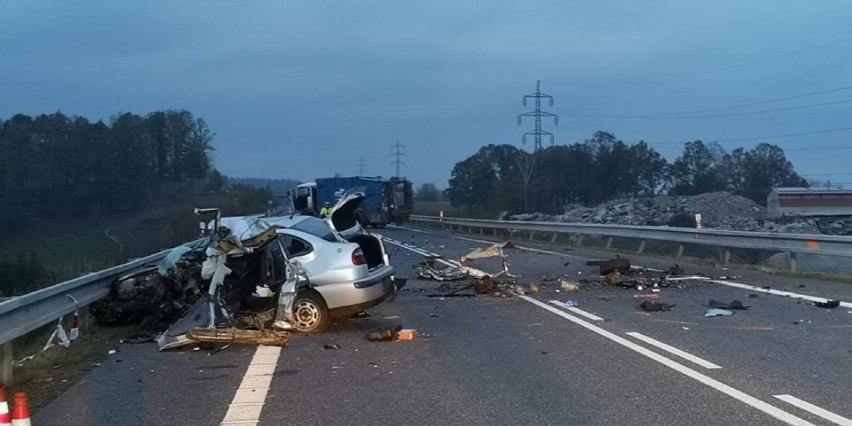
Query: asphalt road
x=510, y=360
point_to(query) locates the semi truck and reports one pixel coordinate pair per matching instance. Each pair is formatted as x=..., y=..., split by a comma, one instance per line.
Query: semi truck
x=386, y=200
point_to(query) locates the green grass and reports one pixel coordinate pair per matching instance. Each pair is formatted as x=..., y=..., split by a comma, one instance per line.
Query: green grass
x=428, y=208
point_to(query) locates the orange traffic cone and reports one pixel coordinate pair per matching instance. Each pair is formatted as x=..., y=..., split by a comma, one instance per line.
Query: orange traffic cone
x=21, y=413
x=5, y=417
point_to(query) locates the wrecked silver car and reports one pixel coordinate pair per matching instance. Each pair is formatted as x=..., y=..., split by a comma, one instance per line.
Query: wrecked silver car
x=247, y=266
x=238, y=277
x=245, y=282
x=348, y=267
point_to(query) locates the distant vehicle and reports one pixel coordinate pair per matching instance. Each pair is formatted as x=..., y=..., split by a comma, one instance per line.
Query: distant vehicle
x=385, y=201
x=347, y=267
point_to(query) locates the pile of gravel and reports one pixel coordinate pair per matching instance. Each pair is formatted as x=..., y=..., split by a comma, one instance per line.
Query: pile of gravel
x=719, y=210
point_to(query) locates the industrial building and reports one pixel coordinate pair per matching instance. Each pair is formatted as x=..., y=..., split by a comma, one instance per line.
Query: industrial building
x=808, y=202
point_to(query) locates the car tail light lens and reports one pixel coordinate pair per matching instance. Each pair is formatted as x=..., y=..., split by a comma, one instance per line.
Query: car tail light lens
x=358, y=257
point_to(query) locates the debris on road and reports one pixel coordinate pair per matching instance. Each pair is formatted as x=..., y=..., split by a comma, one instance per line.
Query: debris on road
x=483, y=285
x=654, y=306
x=435, y=268
x=569, y=286
x=405, y=334
x=535, y=289
x=570, y=304
x=385, y=335
x=432, y=269
x=267, y=337
x=331, y=346
x=717, y=313
x=638, y=278
x=442, y=295
x=829, y=304
x=646, y=296
x=735, y=304
x=616, y=264
x=493, y=250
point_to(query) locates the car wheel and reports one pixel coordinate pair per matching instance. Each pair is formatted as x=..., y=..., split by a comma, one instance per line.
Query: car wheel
x=310, y=313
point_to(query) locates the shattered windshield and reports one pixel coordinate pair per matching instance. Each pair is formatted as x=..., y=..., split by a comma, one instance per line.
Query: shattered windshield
x=316, y=226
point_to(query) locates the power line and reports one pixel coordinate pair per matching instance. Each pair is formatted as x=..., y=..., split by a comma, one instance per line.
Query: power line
x=787, y=135
x=733, y=114
x=538, y=113
x=731, y=66
x=748, y=104
x=828, y=174
x=819, y=148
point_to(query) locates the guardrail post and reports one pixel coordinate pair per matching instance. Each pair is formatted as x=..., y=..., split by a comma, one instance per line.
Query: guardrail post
x=481, y=230
x=6, y=363
x=85, y=318
x=679, y=250
x=609, y=243
x=532, y=235
x=726, y=256
x=553, y=238
x=641, y=247
x=793, y=262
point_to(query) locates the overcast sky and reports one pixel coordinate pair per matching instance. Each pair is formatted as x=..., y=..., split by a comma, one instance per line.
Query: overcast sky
x=306, y=89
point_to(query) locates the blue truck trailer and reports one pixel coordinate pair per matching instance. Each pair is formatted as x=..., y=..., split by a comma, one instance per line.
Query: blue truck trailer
x=386, y=200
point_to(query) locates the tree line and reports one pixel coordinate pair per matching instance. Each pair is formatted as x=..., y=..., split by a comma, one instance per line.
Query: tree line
x=53, y=165
x=602, y=168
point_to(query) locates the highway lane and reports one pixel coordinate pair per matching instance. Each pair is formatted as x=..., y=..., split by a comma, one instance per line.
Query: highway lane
x=486, y=360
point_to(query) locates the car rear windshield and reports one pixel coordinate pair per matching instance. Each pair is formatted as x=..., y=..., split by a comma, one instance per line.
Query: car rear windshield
x=316, y=226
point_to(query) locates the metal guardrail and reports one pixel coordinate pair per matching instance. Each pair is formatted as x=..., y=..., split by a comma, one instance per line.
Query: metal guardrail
x=831, y=245
x=22, y=314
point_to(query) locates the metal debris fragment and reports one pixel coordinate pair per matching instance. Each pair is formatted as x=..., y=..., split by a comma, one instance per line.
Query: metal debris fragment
x=569, y=286
x=828, y=304
x=266, y=337
x=435, y=268
x=654, y=306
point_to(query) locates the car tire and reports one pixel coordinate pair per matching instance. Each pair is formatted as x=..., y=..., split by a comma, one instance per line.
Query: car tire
x=310, y=313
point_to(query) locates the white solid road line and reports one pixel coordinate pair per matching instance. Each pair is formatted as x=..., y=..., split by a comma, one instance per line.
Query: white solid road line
x=577, y=310
x=706, y=380
x=807, y=406
x=674, y=351
x=778, y=292
x=248, y=402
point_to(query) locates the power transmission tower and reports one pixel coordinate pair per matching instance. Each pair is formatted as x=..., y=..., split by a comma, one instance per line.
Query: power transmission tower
x=538, y=113
x=362, y=166
x=397, y=154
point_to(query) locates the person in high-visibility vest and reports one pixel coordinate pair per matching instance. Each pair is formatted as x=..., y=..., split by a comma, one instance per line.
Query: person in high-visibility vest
x=325, y=210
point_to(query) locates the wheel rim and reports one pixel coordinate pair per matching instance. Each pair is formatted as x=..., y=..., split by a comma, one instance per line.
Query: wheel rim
x=307, y=315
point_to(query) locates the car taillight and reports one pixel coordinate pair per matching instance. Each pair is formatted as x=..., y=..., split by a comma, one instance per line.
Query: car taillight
x=358, y=257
